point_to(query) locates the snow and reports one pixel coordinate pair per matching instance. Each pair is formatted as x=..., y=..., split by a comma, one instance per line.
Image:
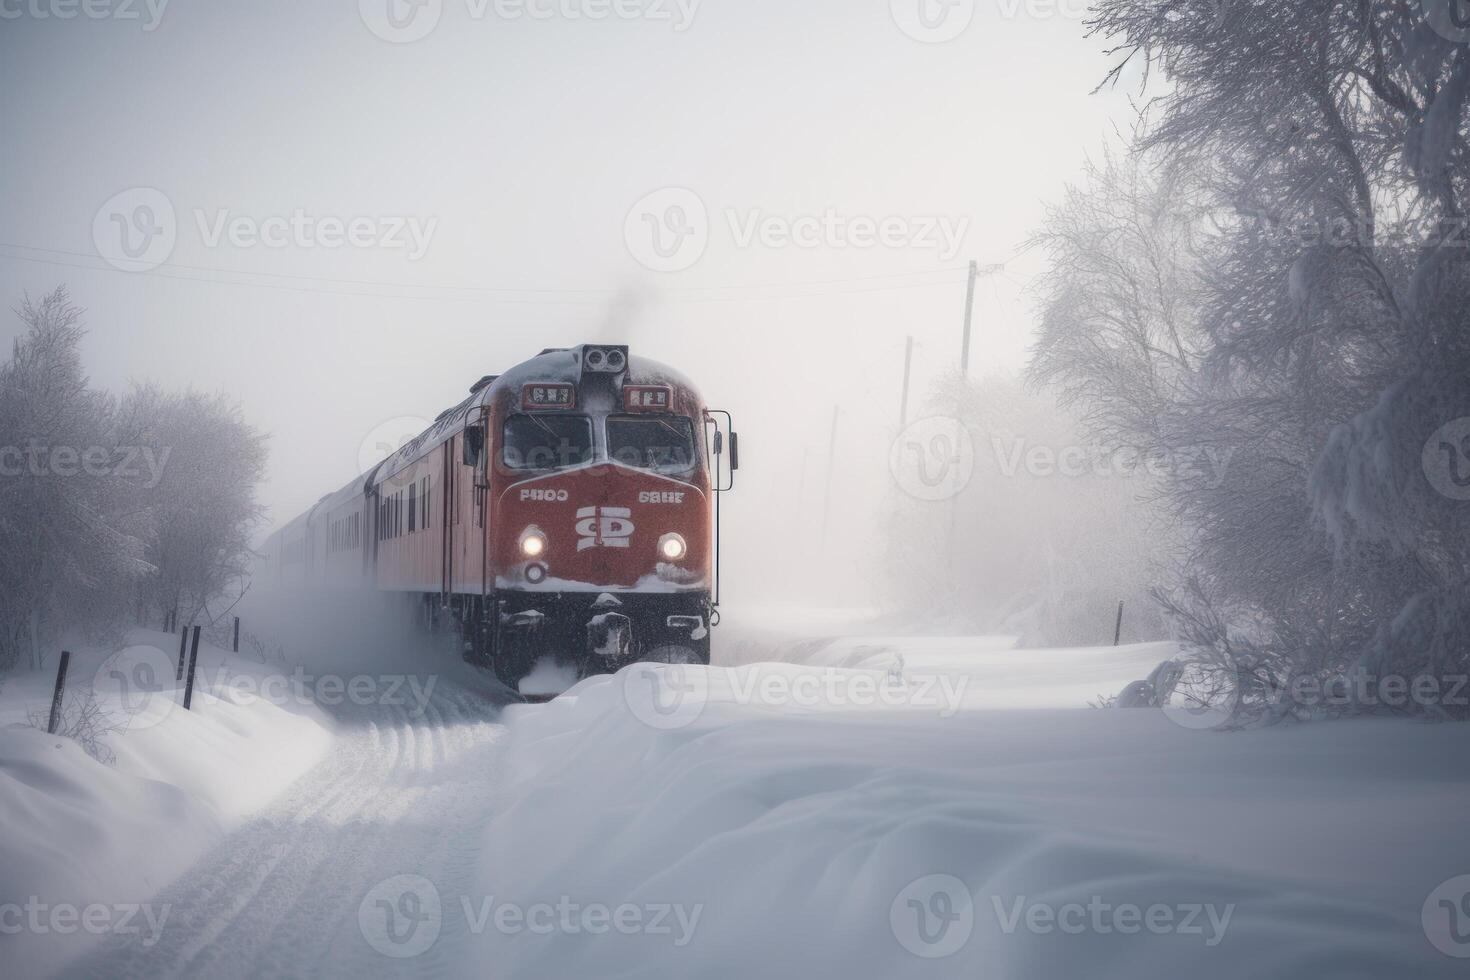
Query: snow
x=846, y=801
x=548, y=678
x=81, y=833
x=803, y=837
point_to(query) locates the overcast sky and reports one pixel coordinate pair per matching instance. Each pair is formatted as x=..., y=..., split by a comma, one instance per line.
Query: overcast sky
x=469, y=183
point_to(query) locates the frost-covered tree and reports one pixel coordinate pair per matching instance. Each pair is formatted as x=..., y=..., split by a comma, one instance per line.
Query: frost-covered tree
x=204, y=463
x=105, y=509
x=69, y=519
x=1325, y=335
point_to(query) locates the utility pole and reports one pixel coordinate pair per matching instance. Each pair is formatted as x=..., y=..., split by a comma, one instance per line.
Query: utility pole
x=908, y=364
x=799, y=534
x=969, y=312
x=976, y=270
x=831, y=465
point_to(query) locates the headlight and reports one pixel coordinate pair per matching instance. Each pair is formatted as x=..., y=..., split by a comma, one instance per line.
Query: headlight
x=672, y=547
x=533, y=542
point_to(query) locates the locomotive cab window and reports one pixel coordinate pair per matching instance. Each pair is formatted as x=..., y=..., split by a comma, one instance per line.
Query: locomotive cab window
x=546, y=442
x=662, y=443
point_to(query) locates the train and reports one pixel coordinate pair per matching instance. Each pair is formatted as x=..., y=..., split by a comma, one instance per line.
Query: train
x=566, y=511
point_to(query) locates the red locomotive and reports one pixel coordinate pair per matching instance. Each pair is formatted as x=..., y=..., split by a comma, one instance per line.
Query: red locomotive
x=567, y=508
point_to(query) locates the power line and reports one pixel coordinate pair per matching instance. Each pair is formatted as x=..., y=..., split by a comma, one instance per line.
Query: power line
x=537, y=301
x=211, y=274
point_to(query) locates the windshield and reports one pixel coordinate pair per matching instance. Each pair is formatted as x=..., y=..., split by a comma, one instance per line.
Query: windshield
x=662, y=443
x=546, y=442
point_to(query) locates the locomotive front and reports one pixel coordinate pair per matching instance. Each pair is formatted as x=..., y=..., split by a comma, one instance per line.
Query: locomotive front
x=600, y=475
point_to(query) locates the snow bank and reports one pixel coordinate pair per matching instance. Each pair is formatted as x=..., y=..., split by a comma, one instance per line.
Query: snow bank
x=788, y=837
x=992, y=670
x=79, y=834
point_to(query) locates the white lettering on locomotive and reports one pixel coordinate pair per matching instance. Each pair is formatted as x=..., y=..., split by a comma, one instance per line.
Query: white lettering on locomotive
x=660, y=497
x=604, y=527
x=549, y=496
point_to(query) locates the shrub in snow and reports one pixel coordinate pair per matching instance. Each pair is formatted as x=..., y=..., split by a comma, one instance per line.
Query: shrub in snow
x=84, y=720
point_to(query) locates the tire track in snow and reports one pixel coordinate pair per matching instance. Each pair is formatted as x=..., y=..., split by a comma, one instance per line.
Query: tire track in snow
x=398, y=794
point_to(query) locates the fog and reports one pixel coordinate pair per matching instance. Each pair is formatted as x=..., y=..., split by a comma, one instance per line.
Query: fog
x=1095, y=582
x=517, y=148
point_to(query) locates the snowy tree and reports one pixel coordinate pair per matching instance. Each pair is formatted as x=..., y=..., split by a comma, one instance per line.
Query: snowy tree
x=69, y=521
x=105, y=509
x=1315, y=153
x=205, y=462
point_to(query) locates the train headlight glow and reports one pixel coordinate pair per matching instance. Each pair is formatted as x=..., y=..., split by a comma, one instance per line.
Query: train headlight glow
x=533, y=542
x=672, y=546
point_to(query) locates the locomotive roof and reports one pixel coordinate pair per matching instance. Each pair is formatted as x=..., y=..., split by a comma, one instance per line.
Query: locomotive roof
x=556, y=365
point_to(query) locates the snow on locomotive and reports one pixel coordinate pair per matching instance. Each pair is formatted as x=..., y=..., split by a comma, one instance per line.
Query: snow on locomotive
x=566, y=509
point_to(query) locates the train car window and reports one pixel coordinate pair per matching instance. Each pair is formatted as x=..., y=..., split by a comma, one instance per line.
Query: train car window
x=662, y=443
x=547, y=442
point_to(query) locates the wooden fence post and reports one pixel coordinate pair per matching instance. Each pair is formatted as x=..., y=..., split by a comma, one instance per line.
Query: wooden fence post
x=193, y=660
x=60, y=689
x=1118, y=629
x=183, y=645
x=235, y=646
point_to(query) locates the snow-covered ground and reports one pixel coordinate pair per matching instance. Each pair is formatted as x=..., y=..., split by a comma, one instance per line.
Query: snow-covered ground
x=873, y=805
x=818, y=837
x=79, y=834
